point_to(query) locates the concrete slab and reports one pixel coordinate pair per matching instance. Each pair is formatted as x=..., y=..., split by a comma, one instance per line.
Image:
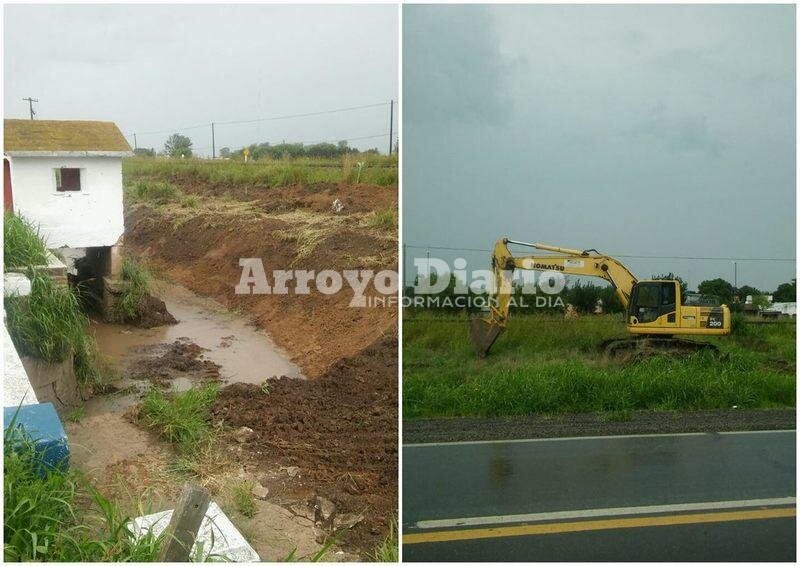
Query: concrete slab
x=217, y=537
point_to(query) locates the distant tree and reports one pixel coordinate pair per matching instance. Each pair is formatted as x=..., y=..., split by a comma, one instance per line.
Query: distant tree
x=672, y=277
x=745, y=290
x=225, y=152
x=760, y=301
x=178, y=145
x=144, y=152
x=718, y=288
x=786, y=292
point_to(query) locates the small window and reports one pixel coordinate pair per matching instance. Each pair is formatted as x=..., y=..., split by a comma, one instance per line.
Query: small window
x=68, y=179
x=667, y=294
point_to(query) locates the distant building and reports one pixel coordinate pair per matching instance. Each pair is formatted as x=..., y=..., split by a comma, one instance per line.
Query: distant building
x=780, y=309
x=66, y=177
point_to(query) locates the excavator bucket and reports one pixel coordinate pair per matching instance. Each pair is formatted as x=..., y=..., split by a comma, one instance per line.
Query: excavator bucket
x=483, y=334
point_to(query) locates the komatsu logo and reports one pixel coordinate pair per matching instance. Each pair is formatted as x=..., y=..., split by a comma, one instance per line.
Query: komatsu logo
x=548, y=267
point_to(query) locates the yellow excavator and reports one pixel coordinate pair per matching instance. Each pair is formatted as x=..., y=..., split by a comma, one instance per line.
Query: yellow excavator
x=655, y=312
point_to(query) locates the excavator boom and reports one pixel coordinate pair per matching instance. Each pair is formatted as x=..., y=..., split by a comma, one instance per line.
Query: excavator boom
x=484, y=332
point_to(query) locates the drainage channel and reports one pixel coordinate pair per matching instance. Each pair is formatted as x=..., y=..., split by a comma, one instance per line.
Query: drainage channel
x=243, y=353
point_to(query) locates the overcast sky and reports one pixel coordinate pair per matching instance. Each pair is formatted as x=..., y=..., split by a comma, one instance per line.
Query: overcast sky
x=154, y=68
x=639, y=130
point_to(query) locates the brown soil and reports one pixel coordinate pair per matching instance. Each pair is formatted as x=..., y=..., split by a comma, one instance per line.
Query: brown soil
x=339, y=430
x=167, y=361
x=152, y=312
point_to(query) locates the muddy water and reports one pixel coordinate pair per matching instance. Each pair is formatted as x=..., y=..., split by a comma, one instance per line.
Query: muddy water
x=244, y=353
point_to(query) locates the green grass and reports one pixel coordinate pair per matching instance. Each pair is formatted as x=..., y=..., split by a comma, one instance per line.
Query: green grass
x=77, y=415
x=22, y=244
x=544, y=364
x=243, y=498
x=137, y=280
x=49, y=325
x=387, y=549
x=377, y=170
x=181, y=418
x=153, y=192
x=57, y=516
x=386, y=218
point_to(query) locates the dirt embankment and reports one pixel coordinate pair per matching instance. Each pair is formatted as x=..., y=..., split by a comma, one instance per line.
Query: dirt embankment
x=199, y=247
x=339, y=428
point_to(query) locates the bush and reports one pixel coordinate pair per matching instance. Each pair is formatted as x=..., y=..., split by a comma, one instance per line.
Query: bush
x=22, y=245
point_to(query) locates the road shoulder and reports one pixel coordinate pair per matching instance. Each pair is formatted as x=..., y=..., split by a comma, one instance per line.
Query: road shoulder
x=461, y=429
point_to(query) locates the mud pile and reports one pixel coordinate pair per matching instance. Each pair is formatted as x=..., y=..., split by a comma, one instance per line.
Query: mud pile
x=168, y=361
x=340, y=430
x=152, y=312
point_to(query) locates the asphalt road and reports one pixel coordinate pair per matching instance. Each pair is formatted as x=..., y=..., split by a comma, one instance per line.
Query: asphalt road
x=697, y=496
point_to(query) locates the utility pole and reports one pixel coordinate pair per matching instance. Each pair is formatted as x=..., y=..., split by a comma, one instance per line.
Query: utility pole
x=135, y=144
x=391, y=123
x=30, y=104
x=213, y=146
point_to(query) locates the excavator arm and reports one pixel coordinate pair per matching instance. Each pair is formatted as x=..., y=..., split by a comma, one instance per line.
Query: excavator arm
x=484, y=331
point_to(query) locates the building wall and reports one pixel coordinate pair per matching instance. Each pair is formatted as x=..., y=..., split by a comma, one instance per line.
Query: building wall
x=88, y=218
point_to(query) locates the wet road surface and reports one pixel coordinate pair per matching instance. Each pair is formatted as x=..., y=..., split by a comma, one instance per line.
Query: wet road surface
x=697, y=496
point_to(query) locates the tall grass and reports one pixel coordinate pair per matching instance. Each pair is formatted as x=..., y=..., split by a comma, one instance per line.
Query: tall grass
x=387, y=550
x=181, y=418
x=548, y=365
x=377, y=170
x=22, y=243
x=49, y=325
x=137, y=281
x=57, y=516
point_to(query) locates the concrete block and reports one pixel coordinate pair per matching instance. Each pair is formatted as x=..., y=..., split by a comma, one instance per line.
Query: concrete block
x=17, y=388
x=42, y=425
x=53, y=382
x=16, y=284
x=217, y=535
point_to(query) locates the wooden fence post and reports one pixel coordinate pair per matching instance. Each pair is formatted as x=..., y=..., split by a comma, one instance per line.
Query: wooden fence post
x=184, y=524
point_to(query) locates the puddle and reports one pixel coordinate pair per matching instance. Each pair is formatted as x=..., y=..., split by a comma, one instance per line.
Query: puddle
x=244, y=353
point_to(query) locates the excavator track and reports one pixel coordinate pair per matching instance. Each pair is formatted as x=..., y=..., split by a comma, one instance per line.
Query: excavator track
x=640, y=347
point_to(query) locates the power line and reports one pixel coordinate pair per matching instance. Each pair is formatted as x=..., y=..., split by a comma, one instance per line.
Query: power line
x=631, y=256
x=255, y=120
x=350, y=109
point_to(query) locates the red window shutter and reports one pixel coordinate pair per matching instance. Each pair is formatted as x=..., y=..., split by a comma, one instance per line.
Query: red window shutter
x=70, y=179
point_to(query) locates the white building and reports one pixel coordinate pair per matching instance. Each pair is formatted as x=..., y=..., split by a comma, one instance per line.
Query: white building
x=66, y=176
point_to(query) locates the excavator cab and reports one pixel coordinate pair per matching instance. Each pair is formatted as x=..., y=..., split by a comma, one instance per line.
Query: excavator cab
x=656, y=308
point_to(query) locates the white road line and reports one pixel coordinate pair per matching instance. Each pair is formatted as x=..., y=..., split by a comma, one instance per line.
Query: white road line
x=610, y=437
x=610, y=512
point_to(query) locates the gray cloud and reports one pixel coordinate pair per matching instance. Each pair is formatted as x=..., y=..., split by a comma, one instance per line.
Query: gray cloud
x=644, y=130
x=164, y=67
x=465, y=80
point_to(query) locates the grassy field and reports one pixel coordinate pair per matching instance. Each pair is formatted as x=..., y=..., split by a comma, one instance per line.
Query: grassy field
x=370, y=169
x=545, y=364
